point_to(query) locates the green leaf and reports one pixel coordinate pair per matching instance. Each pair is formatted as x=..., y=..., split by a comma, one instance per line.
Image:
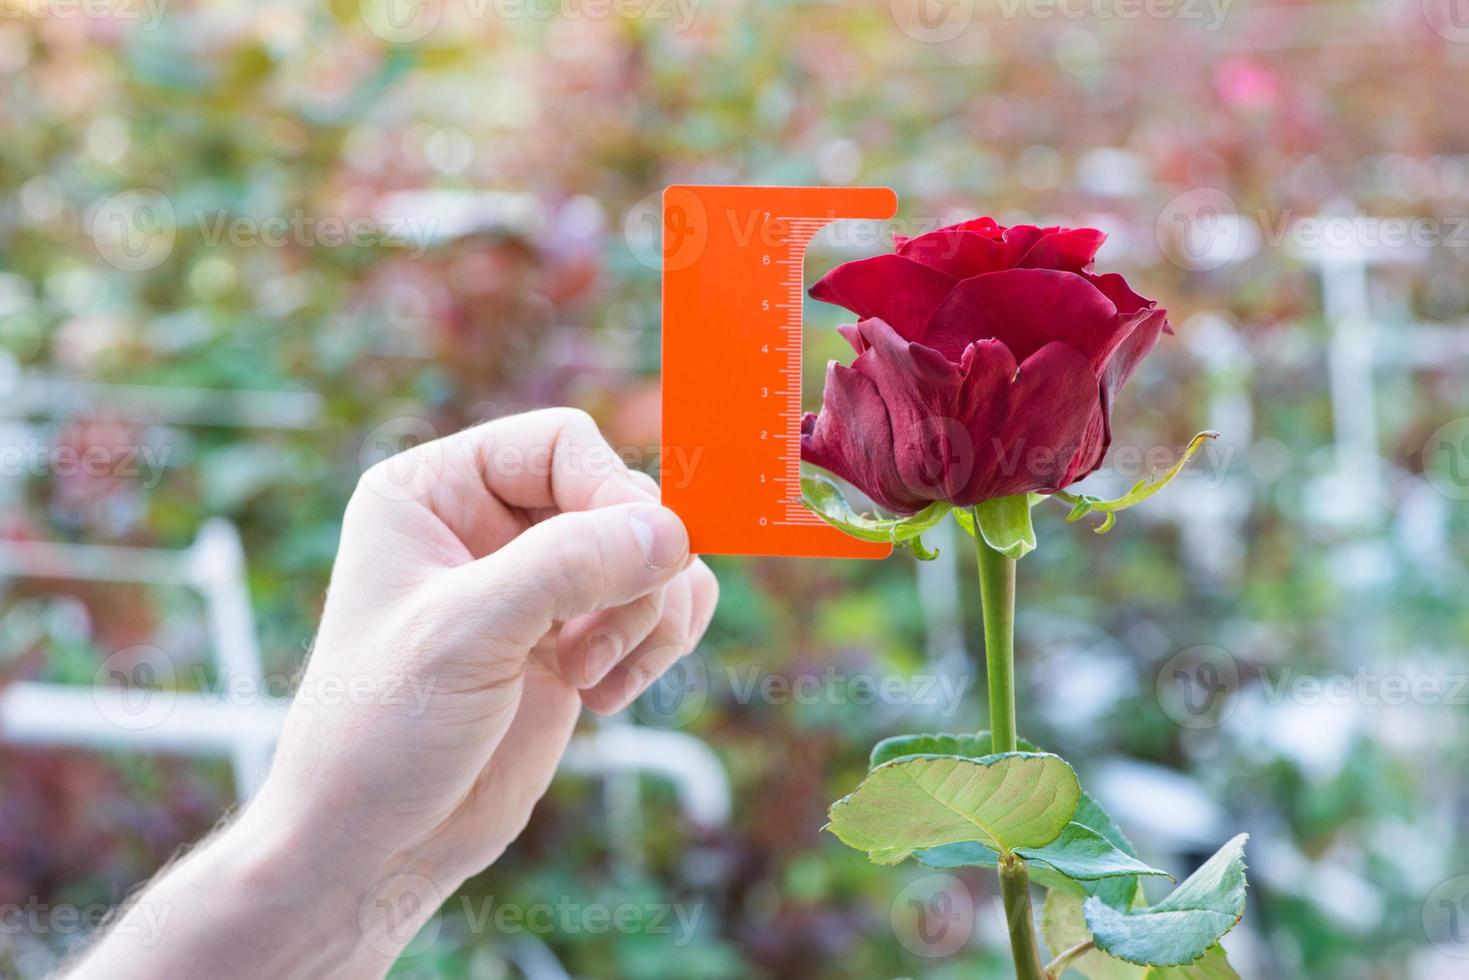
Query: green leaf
x=1082, y=504
x=1079, y=854
x=969, y=746
x=1118, y=890
x=1064, y=926
x=1018, y=799
x=1004, y=523
x=824, y=499
x=1119, y=893
x=1181, y=928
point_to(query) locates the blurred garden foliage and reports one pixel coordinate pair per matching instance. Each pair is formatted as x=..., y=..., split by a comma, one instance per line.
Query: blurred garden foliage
x=501, y=175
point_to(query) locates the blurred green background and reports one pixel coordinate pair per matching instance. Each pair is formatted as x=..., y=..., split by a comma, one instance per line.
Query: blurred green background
x=246, y=246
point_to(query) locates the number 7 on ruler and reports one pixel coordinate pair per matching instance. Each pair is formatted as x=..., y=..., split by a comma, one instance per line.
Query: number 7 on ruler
x=732, y=297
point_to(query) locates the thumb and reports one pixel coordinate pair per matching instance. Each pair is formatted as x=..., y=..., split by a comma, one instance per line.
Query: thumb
x=570, y=565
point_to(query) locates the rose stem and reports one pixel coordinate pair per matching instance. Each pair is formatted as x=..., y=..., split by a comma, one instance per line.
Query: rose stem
x=997, y=602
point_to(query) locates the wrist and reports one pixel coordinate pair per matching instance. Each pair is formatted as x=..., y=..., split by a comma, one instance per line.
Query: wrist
x=323, y=909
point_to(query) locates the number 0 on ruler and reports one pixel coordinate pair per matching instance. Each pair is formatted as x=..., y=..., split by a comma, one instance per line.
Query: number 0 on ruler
x=732, y=297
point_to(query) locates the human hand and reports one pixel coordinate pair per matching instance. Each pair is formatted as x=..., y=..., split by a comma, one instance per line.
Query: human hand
x=487, y=586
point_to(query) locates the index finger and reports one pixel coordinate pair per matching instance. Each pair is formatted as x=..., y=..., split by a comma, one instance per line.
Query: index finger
x=488, y=482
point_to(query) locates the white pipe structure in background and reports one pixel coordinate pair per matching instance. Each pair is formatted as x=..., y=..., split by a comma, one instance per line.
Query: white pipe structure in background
x=159, y=719
x=105, y=716
x=692, y=767
x=30, y=393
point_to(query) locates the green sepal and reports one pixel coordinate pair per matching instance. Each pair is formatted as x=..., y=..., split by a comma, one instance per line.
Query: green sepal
x=825, y=499
x=1004, y=524
x=1083, y=504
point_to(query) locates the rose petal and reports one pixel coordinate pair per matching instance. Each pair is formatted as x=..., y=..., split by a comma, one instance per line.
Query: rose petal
x=1115, y=288
x=1019, y=240
x=986, y=226
x=1026, y=309
x=920, y=389
x=898, y=290
x=1068, y=249
x=853, y=336
x=958, y=253
x=853, y=438
x=1053, y=406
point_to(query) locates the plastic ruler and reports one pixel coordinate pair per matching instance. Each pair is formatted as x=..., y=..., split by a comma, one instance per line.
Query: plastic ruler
x=733, y=288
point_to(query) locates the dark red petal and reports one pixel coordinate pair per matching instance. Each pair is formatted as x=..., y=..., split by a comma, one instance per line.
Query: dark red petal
x=1115, y=288
x=853, y=336
x=1052, y=420
x=1069, y=249
x=986, y=226
x=1026, y=309
x=853, y=438
x=897, y=290
x=920, y=389
x=983, y=407
x=958, y=253
x=1148, y=329
x=1093, y=449
x=1020, y=239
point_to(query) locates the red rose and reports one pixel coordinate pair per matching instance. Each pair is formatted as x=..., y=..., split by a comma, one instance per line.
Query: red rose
x=988, y=362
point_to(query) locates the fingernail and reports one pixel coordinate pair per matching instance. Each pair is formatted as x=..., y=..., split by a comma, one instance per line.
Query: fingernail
x=603, y=652
x=660, y=535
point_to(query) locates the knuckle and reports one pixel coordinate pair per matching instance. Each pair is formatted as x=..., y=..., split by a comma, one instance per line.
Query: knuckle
x=423, y=623
x=706, y=583
x=580, y=566
x=574, y=420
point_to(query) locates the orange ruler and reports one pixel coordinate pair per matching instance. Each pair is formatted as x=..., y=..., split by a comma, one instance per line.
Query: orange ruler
x=733, y=287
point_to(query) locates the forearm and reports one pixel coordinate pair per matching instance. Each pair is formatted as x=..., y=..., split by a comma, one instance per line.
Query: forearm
x=256, y=900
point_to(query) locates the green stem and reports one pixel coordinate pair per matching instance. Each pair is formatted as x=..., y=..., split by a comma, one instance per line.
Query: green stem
x=1015, y=893
x=1058, y=966
x=997, y=601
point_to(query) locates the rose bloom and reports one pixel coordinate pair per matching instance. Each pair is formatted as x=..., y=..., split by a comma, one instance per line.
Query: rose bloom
x=988, y=359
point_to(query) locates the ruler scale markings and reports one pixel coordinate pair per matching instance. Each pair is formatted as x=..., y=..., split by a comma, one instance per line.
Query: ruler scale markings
x=733, y=300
